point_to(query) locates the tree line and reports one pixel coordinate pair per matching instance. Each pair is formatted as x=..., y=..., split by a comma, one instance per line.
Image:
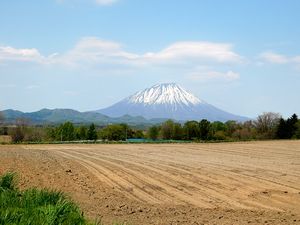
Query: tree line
x=266, y=126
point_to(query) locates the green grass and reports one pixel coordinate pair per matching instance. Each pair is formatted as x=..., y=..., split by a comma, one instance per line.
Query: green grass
x=36, y=207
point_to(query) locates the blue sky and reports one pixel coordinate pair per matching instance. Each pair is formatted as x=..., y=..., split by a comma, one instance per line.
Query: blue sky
x=241, y=56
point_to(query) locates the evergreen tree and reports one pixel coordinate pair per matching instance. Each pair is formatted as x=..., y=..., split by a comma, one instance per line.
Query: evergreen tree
x=287, y=129
x=282, y=132
x=291, y=125
x=297, y=133
x=204, y=127
x=82, y=133
x=92, y=133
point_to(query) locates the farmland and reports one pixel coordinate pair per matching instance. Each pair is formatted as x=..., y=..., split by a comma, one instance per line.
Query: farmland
x=221, y=183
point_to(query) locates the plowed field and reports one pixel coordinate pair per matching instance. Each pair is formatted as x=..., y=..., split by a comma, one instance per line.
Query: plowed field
x=226, y=183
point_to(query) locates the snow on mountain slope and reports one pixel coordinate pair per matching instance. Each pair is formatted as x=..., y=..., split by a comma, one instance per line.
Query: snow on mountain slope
x=168, y=101
x=164, y=94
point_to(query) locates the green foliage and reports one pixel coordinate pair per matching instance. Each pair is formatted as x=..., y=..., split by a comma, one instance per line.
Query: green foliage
x=153, y=132
x=266, y=126
x=289, y=128
x=92, y=133
x=167, y=129
x=4, y=130
x=115, y=132
x=218, y=131
x=1, y=117
x=297, y=132
x=35, y=206
x=191, y=130
x=118, y=132
x=177, y=132
x=231, y=127
x=219, y=135
x=171, y=130
x=81, y=133
x=217, y=126
x=66, y=131
x=137, y=134
x=204, y=128
x=7, y=182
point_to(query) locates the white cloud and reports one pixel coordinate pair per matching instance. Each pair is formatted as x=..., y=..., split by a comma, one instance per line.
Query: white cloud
x=275, y=58
x=94, y=50
x=109, y=56
x=21, y=54
x=91, y=52
x=207, y=75
x=97, y=51
x=219, y=52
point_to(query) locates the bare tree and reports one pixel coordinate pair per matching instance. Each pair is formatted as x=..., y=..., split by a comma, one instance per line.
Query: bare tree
x=266, y=124
x=18, y=134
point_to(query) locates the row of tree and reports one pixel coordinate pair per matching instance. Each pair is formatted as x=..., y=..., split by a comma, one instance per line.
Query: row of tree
x=266, y=126
x=69, y=132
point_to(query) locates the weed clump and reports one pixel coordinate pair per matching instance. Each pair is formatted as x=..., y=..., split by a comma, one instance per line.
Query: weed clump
x=36, y=207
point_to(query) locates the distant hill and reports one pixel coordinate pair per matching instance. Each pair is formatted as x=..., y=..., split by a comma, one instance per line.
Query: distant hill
x=168, y=101
x=55, y=116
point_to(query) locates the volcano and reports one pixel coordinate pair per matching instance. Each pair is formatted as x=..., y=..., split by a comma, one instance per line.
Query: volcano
x=170, y=101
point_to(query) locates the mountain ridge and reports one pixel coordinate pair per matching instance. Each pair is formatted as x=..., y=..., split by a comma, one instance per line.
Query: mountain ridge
x=56, y=116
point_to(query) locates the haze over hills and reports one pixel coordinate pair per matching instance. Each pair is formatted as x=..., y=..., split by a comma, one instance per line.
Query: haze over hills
x=55, y=116
x=168, y=100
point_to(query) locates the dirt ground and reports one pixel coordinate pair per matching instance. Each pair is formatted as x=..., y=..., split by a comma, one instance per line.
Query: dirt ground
x=225, y=183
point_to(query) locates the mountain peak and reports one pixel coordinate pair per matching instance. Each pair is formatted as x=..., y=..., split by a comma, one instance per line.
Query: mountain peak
x=166, y=93
x=167, y=100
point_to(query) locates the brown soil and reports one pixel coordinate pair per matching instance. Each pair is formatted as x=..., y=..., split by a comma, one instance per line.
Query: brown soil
x=227, y=183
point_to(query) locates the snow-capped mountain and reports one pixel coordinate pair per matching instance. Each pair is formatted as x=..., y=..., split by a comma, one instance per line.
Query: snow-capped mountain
x=171, y=94
x=168, y=101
